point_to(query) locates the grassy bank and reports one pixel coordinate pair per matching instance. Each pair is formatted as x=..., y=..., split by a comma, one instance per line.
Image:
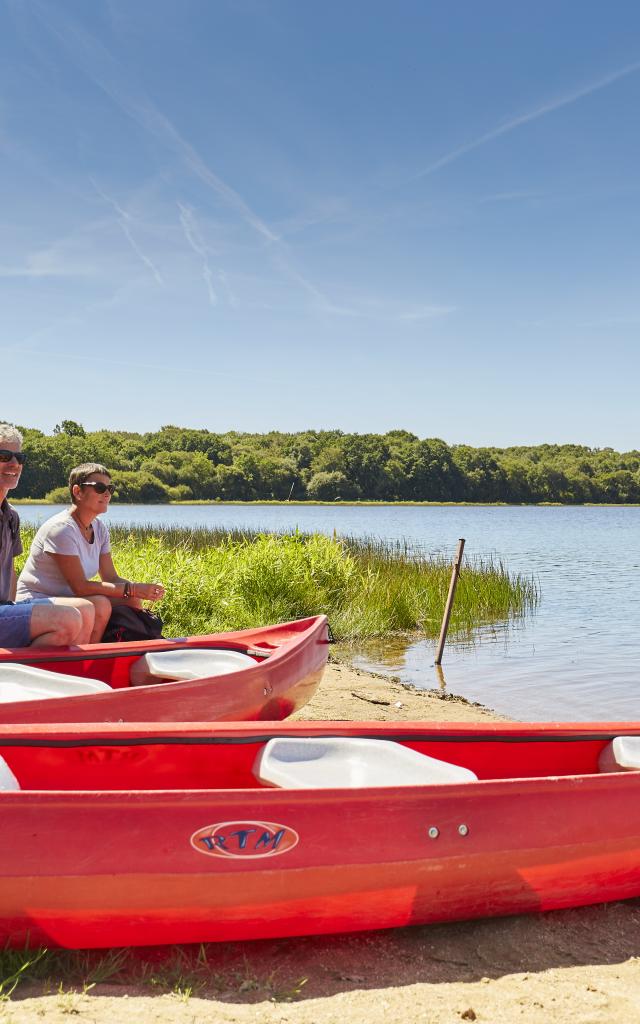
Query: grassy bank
x=230, y=580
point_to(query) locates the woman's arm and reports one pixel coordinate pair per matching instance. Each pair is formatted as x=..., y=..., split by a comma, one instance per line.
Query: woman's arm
x=107, y=570
x=139, y=591
x=71, y=568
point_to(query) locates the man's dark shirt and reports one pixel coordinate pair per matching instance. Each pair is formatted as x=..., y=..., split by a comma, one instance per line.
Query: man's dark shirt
x=10, y=547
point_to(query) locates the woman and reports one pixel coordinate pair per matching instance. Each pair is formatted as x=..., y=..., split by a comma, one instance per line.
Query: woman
x=72, y=547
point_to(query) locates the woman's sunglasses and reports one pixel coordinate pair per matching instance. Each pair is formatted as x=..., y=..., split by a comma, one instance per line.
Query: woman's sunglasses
x=6, y=455
x=99, y=486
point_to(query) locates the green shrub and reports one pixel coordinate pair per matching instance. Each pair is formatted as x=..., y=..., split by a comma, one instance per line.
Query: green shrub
x=58, y=496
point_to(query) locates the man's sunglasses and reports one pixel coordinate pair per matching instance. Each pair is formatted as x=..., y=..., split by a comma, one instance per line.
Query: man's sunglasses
x=99, y=486
x=6, y=455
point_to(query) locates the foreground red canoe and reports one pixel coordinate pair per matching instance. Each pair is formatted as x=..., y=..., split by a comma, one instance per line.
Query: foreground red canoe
x=172, y=838
x=269, y=673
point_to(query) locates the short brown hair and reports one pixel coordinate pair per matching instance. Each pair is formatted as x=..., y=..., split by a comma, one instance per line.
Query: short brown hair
x=79, y=474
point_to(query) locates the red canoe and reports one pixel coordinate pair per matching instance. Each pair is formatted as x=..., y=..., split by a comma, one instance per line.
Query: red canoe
x=279, y=669
x=172, y=839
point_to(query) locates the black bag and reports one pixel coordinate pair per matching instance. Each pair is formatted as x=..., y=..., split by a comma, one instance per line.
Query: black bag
x=127, y=623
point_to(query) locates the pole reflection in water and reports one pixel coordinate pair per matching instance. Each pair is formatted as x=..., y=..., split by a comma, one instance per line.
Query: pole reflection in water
x=441, y=679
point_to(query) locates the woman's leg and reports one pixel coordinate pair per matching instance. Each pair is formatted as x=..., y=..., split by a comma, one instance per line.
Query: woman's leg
x=102, y=612
x=87, y=614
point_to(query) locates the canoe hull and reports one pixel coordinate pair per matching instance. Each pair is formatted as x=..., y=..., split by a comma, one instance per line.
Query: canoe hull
x=98, y=869
x=151, y=907
x=281, y=683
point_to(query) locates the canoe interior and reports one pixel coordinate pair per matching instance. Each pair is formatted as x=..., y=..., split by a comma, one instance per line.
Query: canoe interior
x=214, y=762
x=114, y=667
x=286, y=664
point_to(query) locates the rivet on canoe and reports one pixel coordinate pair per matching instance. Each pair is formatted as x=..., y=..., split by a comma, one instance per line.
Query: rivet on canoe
x=433, y=832
x=463, y=830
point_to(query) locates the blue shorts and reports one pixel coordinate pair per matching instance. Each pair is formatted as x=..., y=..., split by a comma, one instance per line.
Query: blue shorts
x=15, y=623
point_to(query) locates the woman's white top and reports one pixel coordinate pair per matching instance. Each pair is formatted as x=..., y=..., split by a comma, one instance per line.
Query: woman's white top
x=60, y=535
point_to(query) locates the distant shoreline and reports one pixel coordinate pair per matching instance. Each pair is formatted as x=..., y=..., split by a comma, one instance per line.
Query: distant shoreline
x=215, y=503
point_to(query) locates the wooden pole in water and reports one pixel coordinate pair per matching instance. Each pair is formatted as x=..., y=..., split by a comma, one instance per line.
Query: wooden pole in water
x=455, y=572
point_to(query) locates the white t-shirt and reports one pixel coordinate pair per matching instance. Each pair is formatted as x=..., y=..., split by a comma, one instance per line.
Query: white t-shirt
x=60, y=535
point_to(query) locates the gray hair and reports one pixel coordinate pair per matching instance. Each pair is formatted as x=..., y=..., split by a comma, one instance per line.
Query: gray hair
x=9, y=433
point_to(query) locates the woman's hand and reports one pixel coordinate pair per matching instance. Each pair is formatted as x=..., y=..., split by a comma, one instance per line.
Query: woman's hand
x=124, y=589
x=148, y=591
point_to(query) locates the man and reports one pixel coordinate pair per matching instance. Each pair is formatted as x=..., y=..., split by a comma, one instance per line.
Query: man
x=30, y=623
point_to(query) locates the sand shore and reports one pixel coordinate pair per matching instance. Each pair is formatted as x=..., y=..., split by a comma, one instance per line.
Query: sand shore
x=578, y=966
x=350, y=694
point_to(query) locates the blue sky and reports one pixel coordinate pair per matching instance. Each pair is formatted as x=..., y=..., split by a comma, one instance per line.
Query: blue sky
x=365, y=215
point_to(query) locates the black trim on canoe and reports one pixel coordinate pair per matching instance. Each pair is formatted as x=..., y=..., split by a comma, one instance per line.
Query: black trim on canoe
x=139, y=741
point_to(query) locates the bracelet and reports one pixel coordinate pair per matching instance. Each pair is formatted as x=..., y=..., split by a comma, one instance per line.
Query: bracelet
x=126, y=590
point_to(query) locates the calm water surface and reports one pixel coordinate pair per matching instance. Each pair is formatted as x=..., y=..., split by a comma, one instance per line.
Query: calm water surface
x=574, y=658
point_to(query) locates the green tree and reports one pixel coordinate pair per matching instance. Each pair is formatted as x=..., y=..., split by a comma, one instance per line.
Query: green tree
x=140, y=488
x=333, y=486
x=69, y=427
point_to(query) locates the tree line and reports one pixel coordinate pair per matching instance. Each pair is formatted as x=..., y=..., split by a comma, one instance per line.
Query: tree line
x=180, y=464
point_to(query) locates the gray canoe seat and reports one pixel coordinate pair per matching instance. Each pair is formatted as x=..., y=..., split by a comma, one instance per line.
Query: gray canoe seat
x=186, y=664
x=8, y=781
x=26, y=682
x=621, y=755
x=350, y=762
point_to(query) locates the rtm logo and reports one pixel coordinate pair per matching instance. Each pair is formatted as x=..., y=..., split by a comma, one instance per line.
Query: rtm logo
x=246, y=839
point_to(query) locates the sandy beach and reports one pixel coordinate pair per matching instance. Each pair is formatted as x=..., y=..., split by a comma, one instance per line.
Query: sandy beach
x=579, y=966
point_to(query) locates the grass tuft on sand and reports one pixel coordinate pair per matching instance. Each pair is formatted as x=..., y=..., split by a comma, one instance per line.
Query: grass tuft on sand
x=184, y=971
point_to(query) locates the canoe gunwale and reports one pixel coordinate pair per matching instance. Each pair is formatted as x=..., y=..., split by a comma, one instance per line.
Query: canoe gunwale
x=113, y=734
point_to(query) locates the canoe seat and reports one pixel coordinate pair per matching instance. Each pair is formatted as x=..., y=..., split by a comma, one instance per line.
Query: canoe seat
x=348, y=762
x=8, y=781
x=621, y=755
x=186, y=664
x=26, y=682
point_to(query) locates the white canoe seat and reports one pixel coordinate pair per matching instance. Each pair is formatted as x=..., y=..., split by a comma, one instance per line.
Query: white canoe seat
x=186, y=664
x=350, y=762
x=621, y=755
x=8, y=781
x=26, y=682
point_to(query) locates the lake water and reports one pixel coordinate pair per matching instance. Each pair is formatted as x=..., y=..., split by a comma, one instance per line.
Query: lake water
x=575, y=658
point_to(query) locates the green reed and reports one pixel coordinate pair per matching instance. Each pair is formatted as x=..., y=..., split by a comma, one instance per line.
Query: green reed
x=231, y=579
